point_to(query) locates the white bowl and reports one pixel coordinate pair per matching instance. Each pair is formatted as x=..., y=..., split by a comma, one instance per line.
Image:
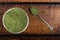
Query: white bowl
x=16, y=32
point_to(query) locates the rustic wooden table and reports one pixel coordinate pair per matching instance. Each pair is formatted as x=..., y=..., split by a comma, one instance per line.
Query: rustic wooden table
x=50, y=12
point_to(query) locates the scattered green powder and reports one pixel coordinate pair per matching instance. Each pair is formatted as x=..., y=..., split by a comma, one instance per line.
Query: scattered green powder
x=15, y=20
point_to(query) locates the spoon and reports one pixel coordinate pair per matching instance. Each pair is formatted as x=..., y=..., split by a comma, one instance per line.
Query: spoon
x=35, y=11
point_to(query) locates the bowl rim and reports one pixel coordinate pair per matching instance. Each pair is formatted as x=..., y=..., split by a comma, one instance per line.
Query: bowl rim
x=25, y=26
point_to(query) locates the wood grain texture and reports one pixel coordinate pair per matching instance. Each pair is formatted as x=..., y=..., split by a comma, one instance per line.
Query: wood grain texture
x=30, y=38
x=24, y=0
x=54, y=0
x=48, y=12
x=29, y=0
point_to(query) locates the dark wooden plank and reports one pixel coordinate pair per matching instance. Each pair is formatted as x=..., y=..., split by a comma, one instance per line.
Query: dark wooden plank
x=30, y=38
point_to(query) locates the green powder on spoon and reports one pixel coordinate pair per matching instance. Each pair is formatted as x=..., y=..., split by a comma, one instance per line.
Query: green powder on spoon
x=34, y=10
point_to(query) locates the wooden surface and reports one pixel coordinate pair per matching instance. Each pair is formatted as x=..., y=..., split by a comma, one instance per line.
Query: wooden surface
x=53, y=12
x=30, y=38
x=29, y=0
x=24, y=0
x=50, y=13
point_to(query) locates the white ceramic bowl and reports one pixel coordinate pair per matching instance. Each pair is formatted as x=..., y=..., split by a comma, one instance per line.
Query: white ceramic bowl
x=16, y=32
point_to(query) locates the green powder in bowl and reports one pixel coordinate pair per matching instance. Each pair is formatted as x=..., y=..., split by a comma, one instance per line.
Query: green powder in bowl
x=15, y=20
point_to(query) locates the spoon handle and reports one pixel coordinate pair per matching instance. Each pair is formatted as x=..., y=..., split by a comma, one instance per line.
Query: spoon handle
x=50, y=27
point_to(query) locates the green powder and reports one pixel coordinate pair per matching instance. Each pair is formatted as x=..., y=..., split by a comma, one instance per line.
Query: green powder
x=34, y=10
x=15, y=20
